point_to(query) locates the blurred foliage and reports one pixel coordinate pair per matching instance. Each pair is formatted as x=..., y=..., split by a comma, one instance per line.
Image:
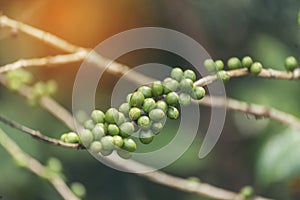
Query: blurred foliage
x=256, y=152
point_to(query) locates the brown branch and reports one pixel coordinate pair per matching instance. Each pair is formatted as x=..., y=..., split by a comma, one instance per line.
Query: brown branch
x=36, y=167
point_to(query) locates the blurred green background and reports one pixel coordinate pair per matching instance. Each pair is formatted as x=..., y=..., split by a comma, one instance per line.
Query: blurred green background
x=257, y=152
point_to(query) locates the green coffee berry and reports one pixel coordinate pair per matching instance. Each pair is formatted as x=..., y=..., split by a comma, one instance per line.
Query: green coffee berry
x=98, y=132
x=223, y=76
x=157, y=88
x=112, y=116
x=124, y=108
x=148, y=105
x=177, y=74
x=186, y=85
x=162, y=105
x=146, y=91
x=134, y=113
x=128, y=97
x=172, y=112
x=146, y=136
x=51, y=86
x=189, y=74
x=137, y=99
x=98, y=116
x=122, y=118
x=156, y=114
x=71, y=138
x=118, y=141
x=89, y=124
x=172, y=98
x=104, y=126
x=170, y=85
x=144, y=122
x=126, y=129
x=54, y=165
x=210, y=65
x=256, y=68
x=124, y=154
x=247, y=192
x=39, y=89
x=95, y=147
x=113, y=129
x=184, y=99
x=219, y=65
x=247, y=61
x=86, y=137
x=106, y=152
x=107, y=143
x=291, y=63
x=63, y=137
x=129, y=145
x=234, y=63
x=156, y=127
x=198, y=92
x=78, y=189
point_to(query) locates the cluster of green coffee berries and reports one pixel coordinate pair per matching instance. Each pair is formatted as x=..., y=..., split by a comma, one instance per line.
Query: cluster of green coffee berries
x=142, y=116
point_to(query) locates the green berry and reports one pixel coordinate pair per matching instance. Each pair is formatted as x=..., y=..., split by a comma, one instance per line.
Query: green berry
x=291, y=63
x=189, y=74
x=146, y=91
x=184, y=99
x=113, y=129
x=156, y=114
x=186, y=85
x=172, y=112
x=247, y=61
x=162, y=105
x=157, y=88
x=98, y=116
x=177, y=74
x=95, y=147
x=63, y=137
x=72, y=138
x=124, y=108
x=89, y=124
x=234, y=63
x=78, y=189
x=256, y=68
x=144, y=122
x=210, y=65
x=128, y=97
x=106, y=152
x=247, y=192
x=124, y=154
x=156, y=127
x=137, y=99
x=170, y=85
x=129, y=145
x=146, y=136
x=198, y=92
x=134, y=113
x=39, y=89
x=51, y=86
x=104, y=126
x=54, y=165
x=122, y=118
x=112, y=116
x=126, y=129
x=107, y=143
x=148, y=105
x=98, y=131
x=118, y=141
x=86, y=137
x=219, y=65
x=172, y=98
x=223, y=76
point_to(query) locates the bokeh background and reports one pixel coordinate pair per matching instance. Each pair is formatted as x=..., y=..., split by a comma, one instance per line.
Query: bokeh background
x=257, y=152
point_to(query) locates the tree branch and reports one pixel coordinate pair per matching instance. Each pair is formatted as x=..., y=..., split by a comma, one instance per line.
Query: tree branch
x=36, y=167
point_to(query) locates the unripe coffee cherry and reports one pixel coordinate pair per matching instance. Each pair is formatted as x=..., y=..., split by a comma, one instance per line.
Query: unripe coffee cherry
x=112, y=116
x=118, y=141
x=106, y=152
x=186, y=85
x=146, y=91
x=113, y=129
x=177, y=74
x=63, y=137
x=234, y=63
x=146, y=136
x=223, y=76
x=148, y=105
x=219, y=65
x=71, y=138
x=98, y=132
x=157, y=88
x=98, y=116
x=156, y=114
x=86, y=137
x=89, y=124
x=156, y=127
x=247, y=61
x=144, y=122
x=137, y=99
x=173, y=112
x=198, y=92
x=256, y=68
x=210, y=65
x=122, y=118
x=184, y=99
x=95, y=147
x=107, y=143
x=124, y=108
x=170, y=85
x=134, y=113
x=291, y=63
x=126, y=129
x=189, y=74
x=128, y=97
x=172, y=98
x=129, y=145
x=162, y=105
x=247, y=192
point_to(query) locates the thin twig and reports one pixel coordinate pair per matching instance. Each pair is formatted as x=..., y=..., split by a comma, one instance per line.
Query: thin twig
x=36, y=167
x=251, y=108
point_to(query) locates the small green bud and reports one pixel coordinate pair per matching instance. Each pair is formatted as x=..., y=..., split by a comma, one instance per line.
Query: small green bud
x=107, y=143
x=51, y=87
x=128, y=97
x=172, y=98
x=234, y=63
x=124, y=108
x=112, y=116
x=95, y=147
x=157, y=88
x=126, y=129
x=177, y=74
x=184, y=99
x=256, y=68
x=144, y=122
x=86, y=137
x=247, y=192
x=113, y=129
x=162, y=105
x=291, y=63
x=118, y=141
x=156, y=127
x=189, y=74
x=54, y=165
x=223, y=76
x=172, y=112
x=89, y=124
x=137, y=99
x=210, y=65
x=98, y=131
x=219, y=65
x=129, y=145
x=146, y=136
x=186, y=85
x=134, y=113
x=146, y=91
x=98, y=116
x=170, y=85
x=156, y=114
x=148, y=105
x=247, y=61
x=78, y=189
x=198, y=92
x=71, y=138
